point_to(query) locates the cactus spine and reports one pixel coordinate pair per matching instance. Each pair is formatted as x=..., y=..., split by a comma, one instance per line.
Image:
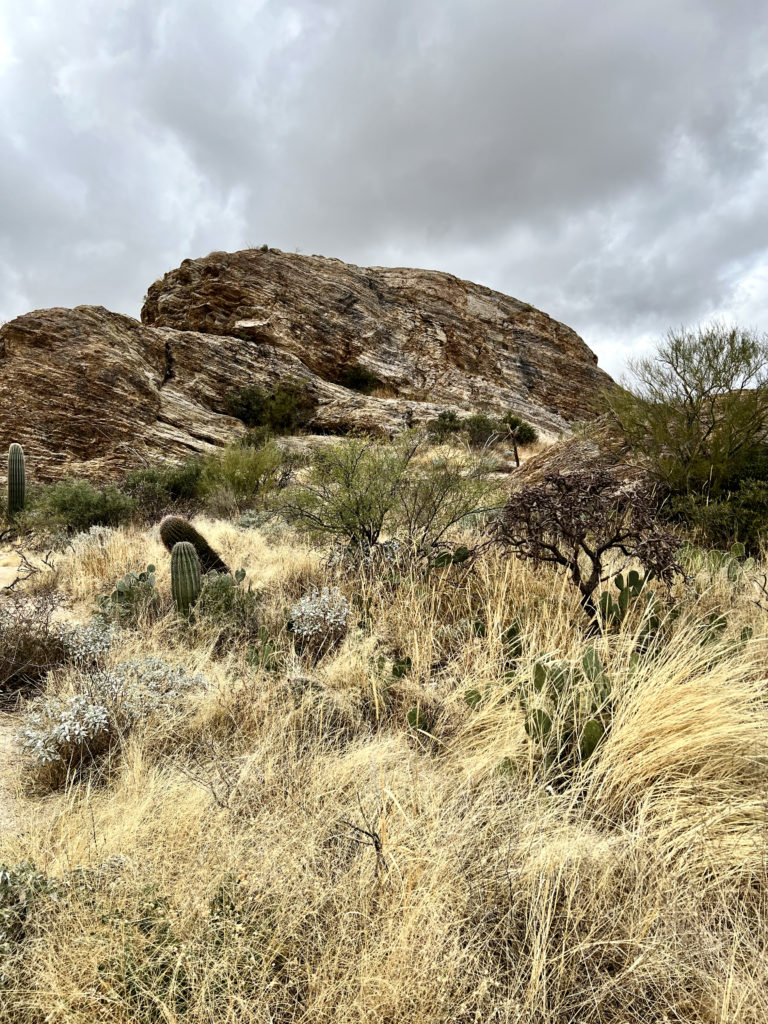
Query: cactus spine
x=185, y=577
x=175, y=529
x=17, y=481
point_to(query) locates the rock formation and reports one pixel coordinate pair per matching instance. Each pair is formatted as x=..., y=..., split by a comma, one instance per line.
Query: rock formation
x=91, y=392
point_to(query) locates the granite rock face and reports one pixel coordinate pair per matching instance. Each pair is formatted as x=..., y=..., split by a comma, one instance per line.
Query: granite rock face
x=94, y=393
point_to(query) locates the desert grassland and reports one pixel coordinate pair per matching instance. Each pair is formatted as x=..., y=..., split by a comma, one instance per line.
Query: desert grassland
x=287, y=850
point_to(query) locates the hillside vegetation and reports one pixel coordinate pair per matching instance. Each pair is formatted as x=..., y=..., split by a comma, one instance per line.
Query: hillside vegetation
x=431, y=750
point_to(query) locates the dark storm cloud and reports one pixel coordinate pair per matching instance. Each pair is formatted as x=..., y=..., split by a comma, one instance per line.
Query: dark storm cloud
x=605, y=162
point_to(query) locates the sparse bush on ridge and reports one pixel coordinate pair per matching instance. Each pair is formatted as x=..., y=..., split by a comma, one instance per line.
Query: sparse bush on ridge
x=284, y=410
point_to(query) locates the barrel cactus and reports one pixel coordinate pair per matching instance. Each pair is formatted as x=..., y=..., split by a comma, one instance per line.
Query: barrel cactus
x=17, y=481
x=175, y=529
x=185, y=576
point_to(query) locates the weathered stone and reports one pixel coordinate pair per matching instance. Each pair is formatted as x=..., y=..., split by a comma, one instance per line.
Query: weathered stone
x=94, y=393
x=428, y=336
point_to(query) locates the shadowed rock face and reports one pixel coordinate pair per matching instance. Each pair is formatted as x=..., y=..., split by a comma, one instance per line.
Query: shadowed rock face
x=91, y=392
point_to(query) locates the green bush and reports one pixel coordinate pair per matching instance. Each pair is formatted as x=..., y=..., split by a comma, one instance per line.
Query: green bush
x=740, y=515
x=284, y=410
x=697, y=408
x=445, y=425
x=523, y=433
x=359, y=489
x=155, y=489
x=228, y=610
x=240, y=474
x=359, y=378
x=133, y=600
x=481, y=429
x=78, y=505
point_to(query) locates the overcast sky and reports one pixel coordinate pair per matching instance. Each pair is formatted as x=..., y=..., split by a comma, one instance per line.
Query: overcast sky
x=607, y=162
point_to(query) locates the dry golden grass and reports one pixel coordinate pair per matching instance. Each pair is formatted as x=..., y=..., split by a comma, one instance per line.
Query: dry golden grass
x=293, y=851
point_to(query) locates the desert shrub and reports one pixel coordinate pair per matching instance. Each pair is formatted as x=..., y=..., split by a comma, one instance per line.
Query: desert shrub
x=481, y=429
x=361, y=488
x=62, y=735
x=240, y=473
x=697, y=408
x=578, y=521
x=436, y=496
x=320, y=619
x=522, y=431
x=740, y=515
x=228, y=610
x=445, y=425
x=155, y=489
x=21, y=886
x=87, y=644
x=76, y=505
x=284, y=410
x=133, y=600
x=31, y=643
x=359, y=378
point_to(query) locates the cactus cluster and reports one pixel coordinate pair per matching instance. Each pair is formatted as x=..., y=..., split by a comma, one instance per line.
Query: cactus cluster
x=631, y=592
x=185, y=577
x=568, y=709
x=733, y=562
x=175, y=530
x=17, y=482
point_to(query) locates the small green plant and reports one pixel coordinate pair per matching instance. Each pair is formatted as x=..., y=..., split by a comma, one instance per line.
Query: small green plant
x=733, y=563
x=284, y=410
x=133, y=598
x=568, y=710
x=174, y=529
x=17, y=481
x=185, y=577
x=228, y=611
x=21, y=885
x=457, y=557
x=632, y=593
x=445, y=425
x=265, y=655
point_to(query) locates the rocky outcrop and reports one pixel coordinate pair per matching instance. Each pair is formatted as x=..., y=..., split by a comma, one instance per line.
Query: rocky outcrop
x=428, y=336
x=94, y=393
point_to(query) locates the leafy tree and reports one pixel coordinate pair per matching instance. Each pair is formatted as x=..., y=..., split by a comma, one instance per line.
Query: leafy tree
x=698, y=408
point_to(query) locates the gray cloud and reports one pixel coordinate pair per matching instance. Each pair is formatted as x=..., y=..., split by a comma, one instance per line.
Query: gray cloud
x=608, y=163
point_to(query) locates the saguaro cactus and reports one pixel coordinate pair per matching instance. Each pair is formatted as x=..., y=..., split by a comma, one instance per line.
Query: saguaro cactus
x=174, y=529
x=17, y=481
x=185, y=577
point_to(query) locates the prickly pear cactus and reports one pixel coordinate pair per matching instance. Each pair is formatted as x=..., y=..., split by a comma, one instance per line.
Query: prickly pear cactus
x=185, y=577
x=567, y=710
x=175, y=529
x=17, y=481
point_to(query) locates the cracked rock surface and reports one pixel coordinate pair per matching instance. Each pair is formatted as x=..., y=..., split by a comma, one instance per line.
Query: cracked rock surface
x=93, y=393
